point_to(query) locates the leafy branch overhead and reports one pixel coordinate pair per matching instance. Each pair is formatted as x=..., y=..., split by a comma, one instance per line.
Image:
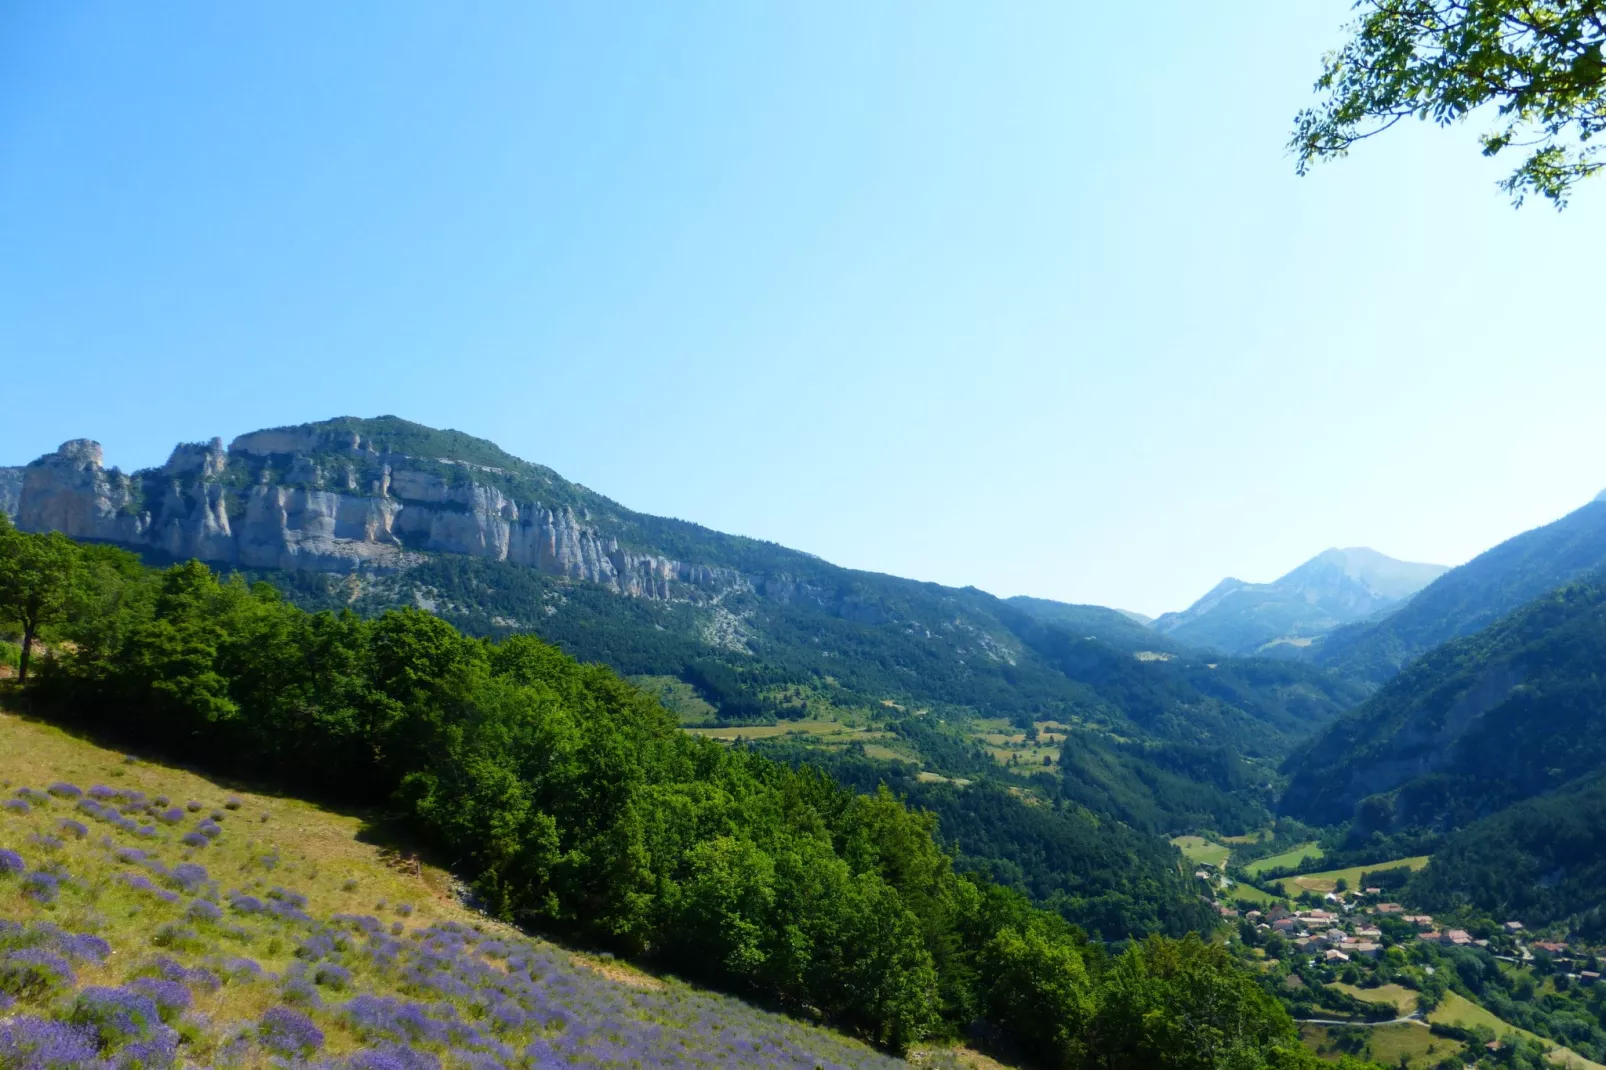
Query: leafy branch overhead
x=1538, y=63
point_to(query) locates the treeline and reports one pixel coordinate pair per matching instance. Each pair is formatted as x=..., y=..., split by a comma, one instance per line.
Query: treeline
x=1105, y=878
x=1542, y=860
x=578, y=808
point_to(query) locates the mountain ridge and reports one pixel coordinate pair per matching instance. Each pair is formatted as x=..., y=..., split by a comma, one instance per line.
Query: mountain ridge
x=1336, y=587
x=1470, y=596
x=760, y=632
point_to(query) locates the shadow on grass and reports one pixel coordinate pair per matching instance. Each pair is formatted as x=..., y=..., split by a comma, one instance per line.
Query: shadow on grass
x=399, y=847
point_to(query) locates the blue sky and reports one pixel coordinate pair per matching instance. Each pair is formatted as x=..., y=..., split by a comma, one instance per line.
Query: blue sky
x=1024, y=296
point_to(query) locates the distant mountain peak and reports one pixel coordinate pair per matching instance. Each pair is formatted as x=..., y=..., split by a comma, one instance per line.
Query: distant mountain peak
x=1338, y=586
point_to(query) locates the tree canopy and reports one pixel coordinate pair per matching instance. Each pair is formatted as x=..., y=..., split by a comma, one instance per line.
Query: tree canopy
x=576, y=805
x=1537, y=63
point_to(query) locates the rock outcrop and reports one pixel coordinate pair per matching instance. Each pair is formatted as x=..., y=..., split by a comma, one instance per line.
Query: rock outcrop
x=10, y=490
x=330, y=500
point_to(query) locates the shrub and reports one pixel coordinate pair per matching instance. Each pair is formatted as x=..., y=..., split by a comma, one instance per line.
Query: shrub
x=33, y=973
x=63, y=790
x=15, y=806
x=188, y=876
x=194, y=839
x=330, y=975
x=76, y=829
x=83, y=946
x=174, y=935
x=203, y=911
x=46, y=1045
x=11, y=862
x=233, y=803
x=289, y=1032
x=41, y=887
x=193, y=806
x=117, y=1015
x=171, y=998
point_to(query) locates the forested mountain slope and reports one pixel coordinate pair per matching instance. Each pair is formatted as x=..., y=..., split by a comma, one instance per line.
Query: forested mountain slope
x=575, y=805
x=1118, y=629
x=375, y=514
x=1542, y=860
x=1334, y=588
x=1515, y=710
x=1470, y=597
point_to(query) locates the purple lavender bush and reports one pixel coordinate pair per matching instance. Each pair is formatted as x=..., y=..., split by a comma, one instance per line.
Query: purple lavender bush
x=170, y=997
x=41, y=1044
x=286, y=1031
x=33, y=973
x=63, y=790
x=203, y=911
x=41, y=887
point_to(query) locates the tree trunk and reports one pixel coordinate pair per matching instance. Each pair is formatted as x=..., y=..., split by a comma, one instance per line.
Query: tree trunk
x=27, y=650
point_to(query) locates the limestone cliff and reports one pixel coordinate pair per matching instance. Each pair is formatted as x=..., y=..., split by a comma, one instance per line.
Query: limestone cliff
x=10, y=490
x=330, y=498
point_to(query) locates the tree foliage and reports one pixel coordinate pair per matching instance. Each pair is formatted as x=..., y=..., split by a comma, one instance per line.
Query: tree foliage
x=577, y=806
x=1536, y=63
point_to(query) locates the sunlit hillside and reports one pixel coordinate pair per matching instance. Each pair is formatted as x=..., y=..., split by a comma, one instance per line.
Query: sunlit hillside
x=150, y=917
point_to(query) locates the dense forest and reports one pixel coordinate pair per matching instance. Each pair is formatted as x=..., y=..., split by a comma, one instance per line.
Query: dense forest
x=1475, y=725
x=861, y=649
x=1471, y=597
x=575, y=806
x=1542, y=860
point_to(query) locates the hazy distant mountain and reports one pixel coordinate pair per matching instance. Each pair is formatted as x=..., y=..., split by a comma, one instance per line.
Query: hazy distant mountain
x=1334, y=588
x=1118, y=627
x=1472, y=596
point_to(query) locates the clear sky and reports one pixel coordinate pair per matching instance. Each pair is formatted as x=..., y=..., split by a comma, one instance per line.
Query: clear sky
x=1025, y=296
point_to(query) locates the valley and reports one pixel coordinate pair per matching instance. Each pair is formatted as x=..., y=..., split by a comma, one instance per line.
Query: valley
x=1122, y=778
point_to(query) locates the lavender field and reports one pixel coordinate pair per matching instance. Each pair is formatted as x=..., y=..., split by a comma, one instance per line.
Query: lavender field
x=149, y=918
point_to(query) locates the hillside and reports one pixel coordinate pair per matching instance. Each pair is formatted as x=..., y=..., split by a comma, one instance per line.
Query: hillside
x=1542, y=860
x=1334, y=588
x=1513, y=711
x=375, y=514
x=570, y=803
x=1470, y=597
x=285, y=933
x=1124, y=631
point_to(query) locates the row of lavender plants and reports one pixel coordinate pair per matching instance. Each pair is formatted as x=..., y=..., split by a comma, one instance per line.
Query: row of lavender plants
x=121, y=950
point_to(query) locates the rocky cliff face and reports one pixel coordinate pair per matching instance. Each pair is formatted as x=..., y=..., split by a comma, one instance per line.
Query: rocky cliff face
x=10, y=490
x=330, y=499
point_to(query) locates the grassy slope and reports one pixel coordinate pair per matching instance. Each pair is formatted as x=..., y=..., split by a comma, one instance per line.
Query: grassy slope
x=1292, y=857
x=1402, y=999
x=319, y=854
x=1201, y=850
x=1458, y=1010
x=1327, y=880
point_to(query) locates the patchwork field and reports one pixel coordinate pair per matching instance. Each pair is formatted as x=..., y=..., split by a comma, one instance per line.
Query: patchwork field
x=1458, y=1010
x=151, y=916
x=1203, y=851
x=1402, y=999
x=1285, y=860
x=1327, y=880
x=1404, y=1044
x=1011, y=747
x=1250, y=894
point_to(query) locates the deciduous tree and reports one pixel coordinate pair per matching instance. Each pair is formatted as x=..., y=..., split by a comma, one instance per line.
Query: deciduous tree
x=1536, y=63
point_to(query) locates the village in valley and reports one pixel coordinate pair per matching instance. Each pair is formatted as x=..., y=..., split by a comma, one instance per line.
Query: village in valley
x=1364, y=974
